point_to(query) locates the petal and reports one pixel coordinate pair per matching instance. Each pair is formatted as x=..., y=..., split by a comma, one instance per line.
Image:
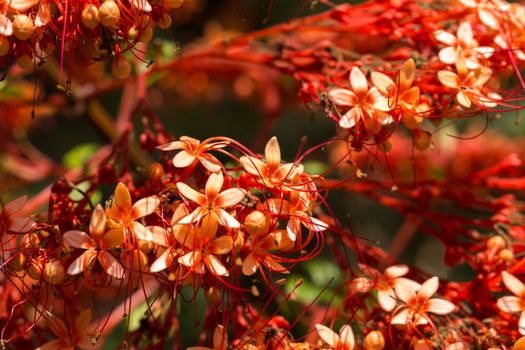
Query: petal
x=396, y=271
x=513, y=284
x=386, y=299
x=358, y=81
x=210, y=162
x=145, y=207
x=292, y=228
x=220, y=339
x=160, y=235
x=272, y=153
x=250, y=265
x=348, y=120
x=404, y=293
x=190, y=194
x=83, y=320
x=55, y=344
x=448, y=55
x=161, y=263
x=382, y=104
x=275, y=266
x=463, y=99
x=382, y=82
x=85, y=342
x=347, y=335
x=6, y=26
x=194, y=216
x=122, y=197
x=78, y=265
x=112, y=239
x=428, y=288
x=343, y=97
x=180, y=212
x=488, y=18
x=221, y=245
x=313, y=224
x=183, y=159
x=171, y=146
x=229, y=197
x=214, y=185
x=327, y=335
x=486, y=51
x=190, y=259
x=445, y=37
x=141, y=232
x=111, y=265
x=401, y=318
x=521, y=324
x=141, y=5
x=43, y=15
x=97, y=224
x=227, y=220
x=448, y=78
x=216, y=266
x=440, y=306
x=17, y=204
x=465, y=35
x=408, y=283
x=79, y=239
x=407, y=75
x=253, y=165
x=21, y=5
x=20, y=225
x=509, y=304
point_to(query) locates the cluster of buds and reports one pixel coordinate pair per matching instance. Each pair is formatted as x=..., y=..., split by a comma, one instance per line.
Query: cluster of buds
x=33, y=29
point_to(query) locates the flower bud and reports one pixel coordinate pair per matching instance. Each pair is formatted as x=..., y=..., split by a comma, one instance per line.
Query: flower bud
x=422, y=139
x=109, y=14
x=147, y=35
x=24, y=61
x=506, y=255
x=140, y=261
x=145, y=246
x=18, y=262
x=4, y=45
x=120, y=67
x=257, y=223
x=374, y=341
x=132, y=33
x=155, y=172
x=28, y=243
x=165, y=21
x=173, y=4
x=519, y=344
x=89, y=16
x=496, y=243
x=34, y=270
x=54, y=272
x=23, y=27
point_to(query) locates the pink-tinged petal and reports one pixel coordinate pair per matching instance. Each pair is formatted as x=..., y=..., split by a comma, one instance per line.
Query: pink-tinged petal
x=358, y=81
x=141, y=5
x=111, y=265
x=78, y=265
x=97, y=224
x=407, y=75
x=229, y=197
x=21, y=5
x=220, y=339
x=253, y=165
x=161, y=263
x=55, y=344
x=277, y=206
x=327, y=335
x=275, y=266
x=471, y=63
x=188, y=140
x=445, y=37
x=488, y=18
x=401, y=318
x=407, y=283
x=501, y=42
x=145, y=207
x=396, y=271
x=250, y=265
x=190, y=194
x=383, y=104
x=122, y=197
x=440, y=306
x=194, y=216
x=180, y=212
x=347, y=335
x=227, y=220
x=313, y=224
x=17, y=204
x=183, y=159
x=216, y=266
x=79, y=239
x=483, y=76
x=419, y=319
x=463, y=99
x=513, y=284
x=171, y=146
x=160, y=235
x=141, y=232
x=449, y=79
x=350, y=119
x=272, y=153
x=465, y=35
x=510, y=304
x=190, y=259
x=112, y=239
x=469, y=3
x=43, y=15
x=288, y=170
x=214, y=185
x=386, y=299
x=343, y=97
x=448, y=55
x=20, y=225
x=429, y=288
x=6, y=26
x=521, y=324
x=382, y=82
x=404, y=293
x=292, y=229
x=210, y=162
x=221, y=245
x=486, y=51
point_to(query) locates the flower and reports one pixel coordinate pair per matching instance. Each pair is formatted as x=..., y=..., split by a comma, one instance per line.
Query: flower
x=271, y=174
x=513, y=303
x=416, y=304
x=11, y=221
x=343, y=341
x=192, y=150
x=212, y=202
x=122, y=214
x=260, y=252
x=464, y=41
x=366, y=104
x=96, y=246
x=68, y=338
x=488, y=10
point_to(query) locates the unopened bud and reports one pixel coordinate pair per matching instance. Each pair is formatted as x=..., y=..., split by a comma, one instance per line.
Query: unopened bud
x=147, y=35
x=109, y=14
x=145, y=246
x=34, y=270
x=120, y=67
x=519, y=344
x=54, y=272
x=374, y=341
x=496, y=243
x=4, y=45
x=25, y=61
x=173, y=4
x=140, y=261
x=23, y=27
x=18, y=262
x=28, y=243
x=506, y=255
x=257, y=223
x=90, y=16
x=422, y=139
x=165, y=21
x=132, y=33
x=155, y=172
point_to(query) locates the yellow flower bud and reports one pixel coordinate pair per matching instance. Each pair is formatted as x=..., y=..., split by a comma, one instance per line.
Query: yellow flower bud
x=90, y=16
x=109, y=14
x=54, y=272
x=257, y=223
x=422, y=139
x=23, y=27
x=374, y=341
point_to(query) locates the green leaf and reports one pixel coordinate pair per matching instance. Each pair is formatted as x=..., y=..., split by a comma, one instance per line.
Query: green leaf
x=78, y=155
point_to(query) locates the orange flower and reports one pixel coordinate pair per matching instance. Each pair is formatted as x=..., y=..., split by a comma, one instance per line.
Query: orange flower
x=122, y=214
x=514, y=303
x=366, y=104
x=272, y=173
x=96, y=246
x=203, y=247
x=212, y=201
x=193, y=150
x=68, y=338
x=260, y=254
x=345, y=340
